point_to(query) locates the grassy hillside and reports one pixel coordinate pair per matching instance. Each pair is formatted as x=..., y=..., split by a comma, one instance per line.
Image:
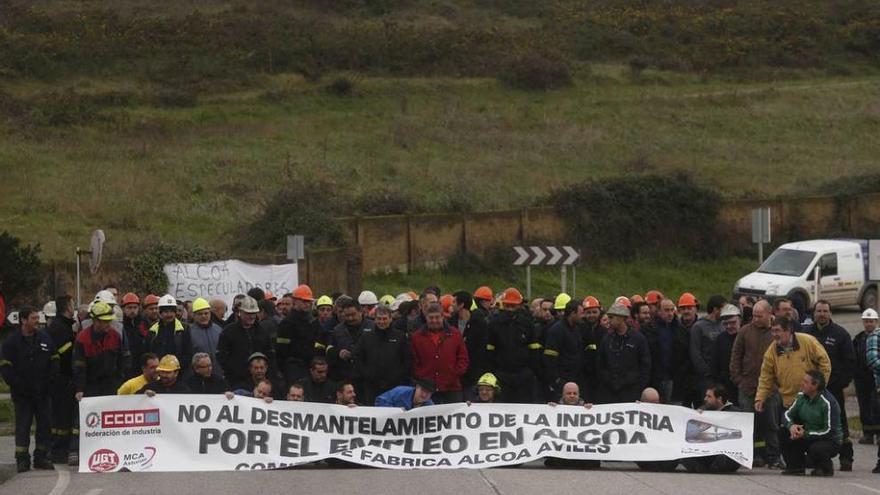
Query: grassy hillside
x=181, y=120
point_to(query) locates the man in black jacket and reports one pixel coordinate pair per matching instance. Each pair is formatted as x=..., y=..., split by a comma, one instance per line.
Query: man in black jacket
x=203, y=380
x=345, y=337
x=723, y=348
x=297, y=333
x=382, y=357
x=563, y=356
x=839, y=346
x=717, y=399
x=624, y=360
x=240, y=340
x=670, y=360
x=63, y=403
x=318, y=387
x=29, y=363
x=168, y=382
x=476, y=336
x=513, y=350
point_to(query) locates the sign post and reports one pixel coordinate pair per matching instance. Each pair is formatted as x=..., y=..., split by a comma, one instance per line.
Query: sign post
x=761, y=230
x=874, y=264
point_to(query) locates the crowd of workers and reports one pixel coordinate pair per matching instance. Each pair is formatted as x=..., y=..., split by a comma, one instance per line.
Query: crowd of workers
x=790, y=370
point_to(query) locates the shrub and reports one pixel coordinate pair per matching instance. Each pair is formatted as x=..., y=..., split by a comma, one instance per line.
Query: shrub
x=146, y=269
x=535, y=71
x=647, y=214
x=20, y=269
x=341, y=86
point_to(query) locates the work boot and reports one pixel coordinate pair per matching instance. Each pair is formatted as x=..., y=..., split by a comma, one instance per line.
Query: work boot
x=73, y=459
x=22, y=464
x=846, y=465
x=41, y=461
x=793, y=472
x=775, y=463
x=822, y=472
x=876, y=469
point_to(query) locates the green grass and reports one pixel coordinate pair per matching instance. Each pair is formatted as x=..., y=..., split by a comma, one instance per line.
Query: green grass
x=607, y=281
x=192, y=175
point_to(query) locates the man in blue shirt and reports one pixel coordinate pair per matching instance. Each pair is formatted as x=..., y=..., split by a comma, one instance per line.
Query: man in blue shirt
x=408, y=397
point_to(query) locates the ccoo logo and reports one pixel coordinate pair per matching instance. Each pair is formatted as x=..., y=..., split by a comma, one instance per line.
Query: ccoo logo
x=93, y=420
x=103, y=460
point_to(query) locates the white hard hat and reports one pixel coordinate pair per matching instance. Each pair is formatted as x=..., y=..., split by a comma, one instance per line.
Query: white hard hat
x=105, y=296
x=368, y=298
x=167, y=301
x=13, y=318
x=49, y=309
x=248, y=305
x=869, y=314
x=730, y=310
x=402, y=298
x=42, y=317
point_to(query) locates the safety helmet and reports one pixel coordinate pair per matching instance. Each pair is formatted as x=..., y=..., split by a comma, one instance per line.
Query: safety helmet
x=446, y=301
x=200, y=304
x=591, y=302
x=653, y=297
x=561, y=300
x=386, y=300
x=623, y=300
x=169, y=362
x=637, y=299
x=249, y=305
x=105, y=296
x=368, y=298
x=484, y=293
x=303, y=292
x=167, y=301
x=730, y=310
x=12, y=318
x=324, y=301
x=489, y=380
x=511, y=297
x=150, y=300
x=49, y=309
x=130, y=298
x=618, y=309
x=400, y=299
x=687, y=299
x=102, y=311
x=869, y=314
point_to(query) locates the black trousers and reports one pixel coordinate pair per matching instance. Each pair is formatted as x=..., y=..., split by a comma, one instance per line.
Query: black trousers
x=869, y=405
x=519, y=387
x=846, y=448
x=26, y=410
x=63, y=414
x=710, y=464
x=820, y=452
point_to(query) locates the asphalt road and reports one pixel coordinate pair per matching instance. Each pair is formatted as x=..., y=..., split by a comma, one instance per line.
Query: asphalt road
x=529, y=479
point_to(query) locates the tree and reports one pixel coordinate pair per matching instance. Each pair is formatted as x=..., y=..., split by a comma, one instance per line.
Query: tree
x=19, y=268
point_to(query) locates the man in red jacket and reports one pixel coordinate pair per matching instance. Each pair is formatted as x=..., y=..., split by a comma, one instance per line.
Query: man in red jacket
x=439, y=355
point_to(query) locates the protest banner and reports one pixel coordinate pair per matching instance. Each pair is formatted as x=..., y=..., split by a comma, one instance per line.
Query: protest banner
x=224, y=279
x=213, y=433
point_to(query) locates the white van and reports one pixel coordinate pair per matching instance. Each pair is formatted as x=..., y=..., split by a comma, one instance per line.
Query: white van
x=790, y=272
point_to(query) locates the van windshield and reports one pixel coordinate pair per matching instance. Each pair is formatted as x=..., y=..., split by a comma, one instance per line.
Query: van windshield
x=791, y=262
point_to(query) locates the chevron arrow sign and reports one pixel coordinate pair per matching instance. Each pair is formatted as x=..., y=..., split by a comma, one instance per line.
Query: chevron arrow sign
x=545, y=255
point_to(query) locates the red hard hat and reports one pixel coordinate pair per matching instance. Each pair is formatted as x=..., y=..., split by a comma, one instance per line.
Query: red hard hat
x=151, y=300
x=625, y=301
x=511, y=297
x=654, y=297
x=591, y=302
x=636, y=298
x=687, y=299
x=446, y=302
x=484, y=293
x=132, y=298
x=303, y=292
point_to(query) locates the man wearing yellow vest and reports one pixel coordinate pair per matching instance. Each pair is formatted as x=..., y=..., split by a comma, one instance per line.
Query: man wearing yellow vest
x=149, y=363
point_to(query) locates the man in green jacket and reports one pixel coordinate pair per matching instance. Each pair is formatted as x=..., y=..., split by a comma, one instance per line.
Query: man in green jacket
x=813, y=428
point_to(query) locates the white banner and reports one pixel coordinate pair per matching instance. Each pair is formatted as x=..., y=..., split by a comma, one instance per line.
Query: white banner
x=213, y=433
x=225, y=279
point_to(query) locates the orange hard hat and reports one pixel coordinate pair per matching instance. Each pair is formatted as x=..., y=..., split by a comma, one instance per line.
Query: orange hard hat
x=687, y=299
x=591, y=302
x=511, y=297
x=484, y=292
x=637, y=299
x=625, y=301
x=304, y=293
x=446, y=302
x=654, y=297
x=132, y=298
x=151, y=300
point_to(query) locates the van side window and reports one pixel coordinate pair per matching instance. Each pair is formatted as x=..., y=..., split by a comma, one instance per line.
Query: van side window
x=827, y=264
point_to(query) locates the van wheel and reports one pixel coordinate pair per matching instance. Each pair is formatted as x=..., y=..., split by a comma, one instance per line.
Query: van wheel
x=799, y=303
x=869, y=299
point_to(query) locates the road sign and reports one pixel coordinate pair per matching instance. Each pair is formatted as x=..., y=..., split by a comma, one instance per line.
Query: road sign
x=761, y=230
x=295, y=247
x=545, y=255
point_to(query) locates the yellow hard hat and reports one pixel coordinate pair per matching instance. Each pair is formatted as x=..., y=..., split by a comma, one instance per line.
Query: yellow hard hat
x=324, y=301
x=489, y=380
x=199, y=304
x=169, y=362
x=561, y=300
x=102, y=311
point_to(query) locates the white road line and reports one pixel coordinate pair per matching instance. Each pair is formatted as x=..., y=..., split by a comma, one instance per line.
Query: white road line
x=865, y=487
x=63, y=481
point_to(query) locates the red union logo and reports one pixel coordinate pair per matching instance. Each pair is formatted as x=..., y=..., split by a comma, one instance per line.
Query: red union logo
x=103, y=460
x=130, y=419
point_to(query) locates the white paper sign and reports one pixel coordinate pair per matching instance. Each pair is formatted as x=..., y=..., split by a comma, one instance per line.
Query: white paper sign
x=225, y=279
